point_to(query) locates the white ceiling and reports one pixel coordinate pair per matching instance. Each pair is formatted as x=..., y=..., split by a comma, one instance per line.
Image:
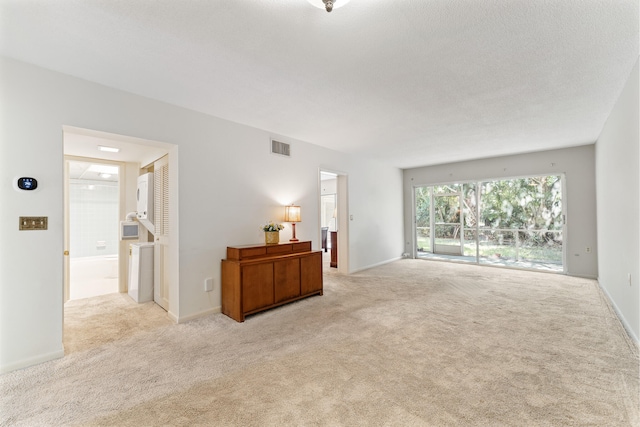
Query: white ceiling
x=93, y=171
x=409, y=82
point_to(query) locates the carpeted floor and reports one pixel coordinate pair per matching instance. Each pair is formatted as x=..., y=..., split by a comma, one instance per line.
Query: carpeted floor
x=411, y=343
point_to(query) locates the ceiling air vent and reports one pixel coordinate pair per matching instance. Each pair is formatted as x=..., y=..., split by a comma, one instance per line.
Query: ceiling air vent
x=281, y=148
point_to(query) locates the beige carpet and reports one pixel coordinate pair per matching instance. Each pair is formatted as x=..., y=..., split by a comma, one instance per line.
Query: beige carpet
x=412, y=343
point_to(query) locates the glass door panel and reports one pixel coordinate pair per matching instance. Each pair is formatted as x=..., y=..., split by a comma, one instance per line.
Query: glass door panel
x=469, y=220
x=448, y=226
x=521, y=222
x=423, y=220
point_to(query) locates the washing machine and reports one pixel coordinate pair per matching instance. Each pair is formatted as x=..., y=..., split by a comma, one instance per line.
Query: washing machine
x=141, y=272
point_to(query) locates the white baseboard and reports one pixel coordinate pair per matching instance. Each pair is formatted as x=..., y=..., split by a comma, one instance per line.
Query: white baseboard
x=621, y=317
x=583, y=276
x=208, y=312
x=32, y=361
x=375, y=265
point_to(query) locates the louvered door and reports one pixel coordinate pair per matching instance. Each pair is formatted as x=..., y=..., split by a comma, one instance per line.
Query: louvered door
x=162, y=232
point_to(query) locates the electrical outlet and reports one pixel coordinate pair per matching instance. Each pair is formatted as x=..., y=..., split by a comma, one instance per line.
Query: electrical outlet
x=208, y=284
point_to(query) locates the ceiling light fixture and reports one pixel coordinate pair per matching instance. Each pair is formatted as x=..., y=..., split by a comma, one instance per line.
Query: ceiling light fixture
x=108, y=149
x=328, y=5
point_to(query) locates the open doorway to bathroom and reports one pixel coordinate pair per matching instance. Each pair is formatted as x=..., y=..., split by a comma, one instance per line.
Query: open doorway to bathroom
x=93, y=215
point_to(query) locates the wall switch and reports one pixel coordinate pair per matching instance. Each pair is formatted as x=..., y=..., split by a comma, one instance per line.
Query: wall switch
x=33, y=223
x=208, y=284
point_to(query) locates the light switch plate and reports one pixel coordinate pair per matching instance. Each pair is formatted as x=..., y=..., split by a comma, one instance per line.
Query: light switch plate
x=33, y=223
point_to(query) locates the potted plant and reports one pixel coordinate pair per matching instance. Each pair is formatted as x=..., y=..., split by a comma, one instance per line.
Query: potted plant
x=272, y=232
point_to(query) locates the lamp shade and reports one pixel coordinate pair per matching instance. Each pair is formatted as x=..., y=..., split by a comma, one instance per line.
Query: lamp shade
x=292, y=214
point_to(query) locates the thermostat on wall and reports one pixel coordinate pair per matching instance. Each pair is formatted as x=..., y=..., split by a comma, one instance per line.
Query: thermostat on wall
x=26, y=183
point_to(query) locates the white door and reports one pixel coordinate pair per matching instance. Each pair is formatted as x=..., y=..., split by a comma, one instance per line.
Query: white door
x=67, y=270
x=162, y=232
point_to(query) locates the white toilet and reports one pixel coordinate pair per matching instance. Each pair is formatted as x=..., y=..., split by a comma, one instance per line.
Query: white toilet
x=141, y=272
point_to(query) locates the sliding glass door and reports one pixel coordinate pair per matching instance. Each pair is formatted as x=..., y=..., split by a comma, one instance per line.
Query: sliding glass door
x=513, y=222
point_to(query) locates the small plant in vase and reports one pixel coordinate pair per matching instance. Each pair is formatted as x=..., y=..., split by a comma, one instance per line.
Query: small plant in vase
x=272, y=232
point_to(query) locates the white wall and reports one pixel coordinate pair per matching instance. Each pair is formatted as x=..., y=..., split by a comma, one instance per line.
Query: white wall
x=618, y=196
x=576, y=163
x=368, y=219
x=228, y=186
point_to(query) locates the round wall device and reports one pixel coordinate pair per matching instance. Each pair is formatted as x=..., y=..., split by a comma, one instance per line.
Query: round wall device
x=26, y=183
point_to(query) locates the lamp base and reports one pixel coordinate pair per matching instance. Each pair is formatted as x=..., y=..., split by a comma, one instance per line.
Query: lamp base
x=293, y=238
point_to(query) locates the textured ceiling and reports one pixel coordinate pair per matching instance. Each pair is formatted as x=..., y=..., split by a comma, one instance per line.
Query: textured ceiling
x=409, y=82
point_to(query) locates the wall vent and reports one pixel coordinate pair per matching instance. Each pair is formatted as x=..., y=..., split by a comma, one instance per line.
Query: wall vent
x=280, y=148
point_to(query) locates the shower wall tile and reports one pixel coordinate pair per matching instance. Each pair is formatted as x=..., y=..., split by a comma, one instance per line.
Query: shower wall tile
x=93, y=218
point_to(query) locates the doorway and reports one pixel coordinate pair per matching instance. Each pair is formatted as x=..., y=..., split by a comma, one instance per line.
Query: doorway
x=333, y=222
x=132, y=156
x=328, y=218
x=93, y=211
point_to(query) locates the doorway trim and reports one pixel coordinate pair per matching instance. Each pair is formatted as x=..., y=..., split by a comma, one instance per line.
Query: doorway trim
x=152, y=149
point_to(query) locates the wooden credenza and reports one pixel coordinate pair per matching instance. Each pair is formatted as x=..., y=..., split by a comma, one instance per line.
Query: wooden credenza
x=260, y=277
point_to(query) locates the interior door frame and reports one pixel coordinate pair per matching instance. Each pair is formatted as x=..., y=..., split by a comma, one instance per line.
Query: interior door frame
x=174, y=248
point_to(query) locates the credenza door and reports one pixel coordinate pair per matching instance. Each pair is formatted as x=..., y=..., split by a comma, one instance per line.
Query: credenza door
x=287, y=279
x=257, y=286
x=311, y=280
